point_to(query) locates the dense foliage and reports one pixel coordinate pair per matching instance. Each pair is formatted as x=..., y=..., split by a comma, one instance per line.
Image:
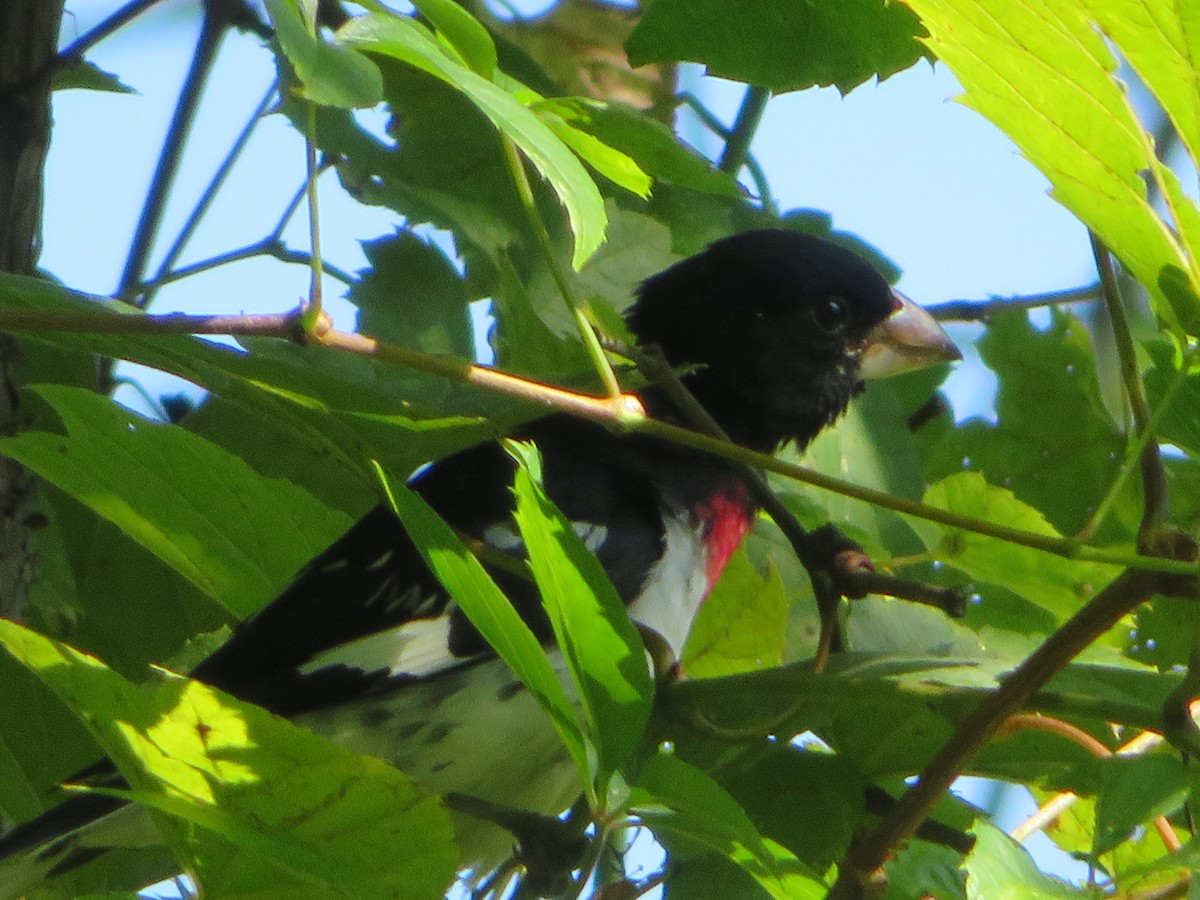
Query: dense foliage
x=559, y=198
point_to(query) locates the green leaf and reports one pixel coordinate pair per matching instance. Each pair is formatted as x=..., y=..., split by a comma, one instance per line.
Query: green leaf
x=109, y=580
x=741, y=625
x=413, y=296
x=1160, y=40
x=463, y=32
x=1058, y=585
x=1058, y=454
x=682, y=803
x=524, y=344
x=274, y=450
x=871, y=445
x=921, y=869
x=1043, y=73
x=306, y=817
x=205, y=513
x=776, y=778
x=492, y=613
x=603, y=650
x=614, y=165
x=920, y=698
x=1137, y=790
x=651, y=144
x=409, y=42
x=85, y=75
x=780, y=44
x=330, y=74
x=1178, y=423
x=40, y=743
x=889, y=626
x=1000, y=869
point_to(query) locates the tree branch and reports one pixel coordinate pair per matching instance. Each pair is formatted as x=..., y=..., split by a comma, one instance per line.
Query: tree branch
x=211, y=31
x=1102, y=612
x=1154, y=475
x=739, y=138
x=623, y=412
x=150, y=288
x=981, y=310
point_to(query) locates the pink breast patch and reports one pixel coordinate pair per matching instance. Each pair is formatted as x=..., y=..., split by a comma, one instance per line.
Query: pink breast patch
x=725, y=518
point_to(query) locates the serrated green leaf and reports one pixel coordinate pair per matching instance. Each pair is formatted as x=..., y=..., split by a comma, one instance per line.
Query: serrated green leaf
x=1137, y=790
x=330, y=74
x=781, y=45
x=307, y=816
x=492, y=613
x=1160, y=40
x=1058, y=585
x=85, y=75
x=205, y=513
x=413, y=296
x=1000, y=869
x=659, y=152
x=409, y=42
x=1042, y=71
x=1058, y=454
x=463, y=32
x=617, y=167
x=921, y=869
x=603, y=650
x=681, y=802
x=741, y=625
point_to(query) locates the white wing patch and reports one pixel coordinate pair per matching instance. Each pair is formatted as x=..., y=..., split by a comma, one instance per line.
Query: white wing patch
x=505, y=537
x=418, y=648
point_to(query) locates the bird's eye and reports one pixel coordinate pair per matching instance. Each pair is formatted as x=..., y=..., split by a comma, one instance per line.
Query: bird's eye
x=830, y=314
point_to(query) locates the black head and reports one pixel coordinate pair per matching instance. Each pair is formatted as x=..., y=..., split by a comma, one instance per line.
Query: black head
x=776, y=322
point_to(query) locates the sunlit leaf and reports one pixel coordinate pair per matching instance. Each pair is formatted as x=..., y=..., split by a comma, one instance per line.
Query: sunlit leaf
x=406, y=40
x=280, y=811
x=782, y=45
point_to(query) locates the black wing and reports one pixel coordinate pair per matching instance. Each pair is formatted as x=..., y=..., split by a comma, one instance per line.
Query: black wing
x=306, y=649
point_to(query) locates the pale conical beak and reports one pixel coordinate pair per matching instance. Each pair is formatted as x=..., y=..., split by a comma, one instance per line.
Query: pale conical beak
x=908, y=339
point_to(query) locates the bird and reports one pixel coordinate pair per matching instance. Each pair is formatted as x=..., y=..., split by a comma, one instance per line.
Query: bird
x=775, y=332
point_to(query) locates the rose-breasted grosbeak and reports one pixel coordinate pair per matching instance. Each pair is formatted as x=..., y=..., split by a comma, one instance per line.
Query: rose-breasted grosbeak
x=778, y=331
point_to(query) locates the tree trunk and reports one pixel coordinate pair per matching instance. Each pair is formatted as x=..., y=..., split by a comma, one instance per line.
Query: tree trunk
x=28, y=40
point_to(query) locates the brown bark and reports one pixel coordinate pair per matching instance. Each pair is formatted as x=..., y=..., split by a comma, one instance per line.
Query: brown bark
x=28, y=39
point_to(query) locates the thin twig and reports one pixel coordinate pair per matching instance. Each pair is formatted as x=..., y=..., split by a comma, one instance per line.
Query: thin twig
x=737, y=144
x=713, y=124
x=952, y=601
x=211, y=31
x=1115, y=601
x=1154, y=475
x=269, y=246
x=1050, y=811
x=75, y=50
x=981, y=310
x=207, y=197
x=312, y=309
x=1135, y=450
x=586, y=333
x=622, y=413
